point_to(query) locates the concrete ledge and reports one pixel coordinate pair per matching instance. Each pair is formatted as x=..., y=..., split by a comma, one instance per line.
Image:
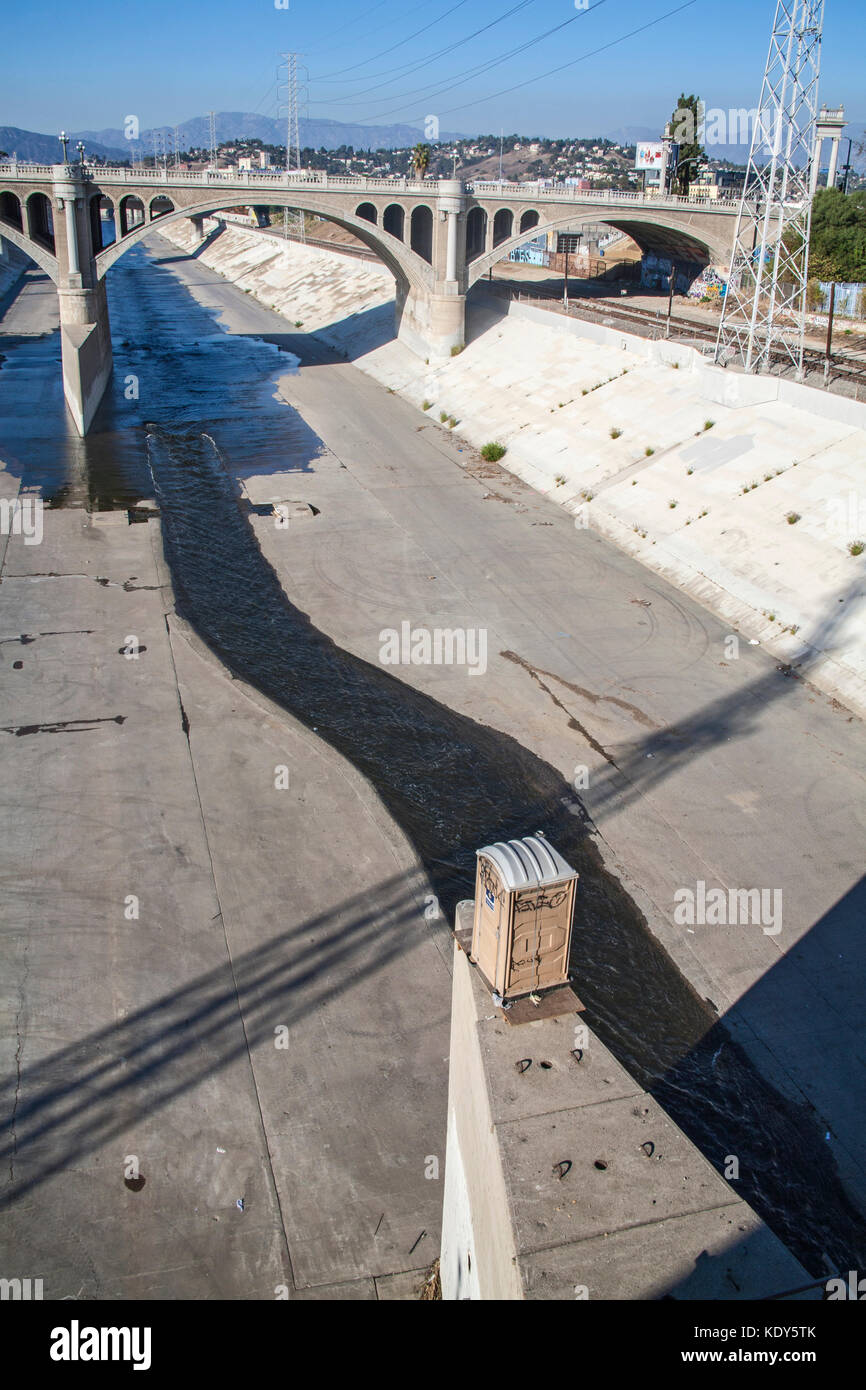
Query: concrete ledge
x=638, y=1213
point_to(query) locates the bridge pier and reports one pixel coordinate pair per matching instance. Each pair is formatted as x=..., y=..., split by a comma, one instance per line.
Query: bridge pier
x=433, y=322
x=85, y=341
x=430, y=325
x=85, y=333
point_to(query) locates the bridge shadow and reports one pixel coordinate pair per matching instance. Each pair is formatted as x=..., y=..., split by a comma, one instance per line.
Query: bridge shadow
x=203, y=245
x=75, y=1100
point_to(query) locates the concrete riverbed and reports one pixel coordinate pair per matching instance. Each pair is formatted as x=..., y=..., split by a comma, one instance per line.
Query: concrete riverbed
x=593, y=663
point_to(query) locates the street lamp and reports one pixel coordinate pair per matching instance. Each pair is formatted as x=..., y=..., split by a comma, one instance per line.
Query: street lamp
x=64, y=140
x=80, y=149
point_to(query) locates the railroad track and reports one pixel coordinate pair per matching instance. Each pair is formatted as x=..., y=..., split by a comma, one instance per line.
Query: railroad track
x=654, y=323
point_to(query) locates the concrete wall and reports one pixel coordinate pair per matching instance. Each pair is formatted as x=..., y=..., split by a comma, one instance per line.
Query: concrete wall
x=479, y=1258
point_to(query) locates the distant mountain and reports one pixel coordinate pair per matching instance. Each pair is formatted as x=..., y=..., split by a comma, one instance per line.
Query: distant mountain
x=45, y=149
x=234, y=125
x=111, y=143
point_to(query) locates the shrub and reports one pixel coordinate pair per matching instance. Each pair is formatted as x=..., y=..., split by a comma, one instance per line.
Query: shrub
x=792, y=518
x=425, y=405
x=443, y=416
x=856, y=548
x=491, y=453
x=452, y=422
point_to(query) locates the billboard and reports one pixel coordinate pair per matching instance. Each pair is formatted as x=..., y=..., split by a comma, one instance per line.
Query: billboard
x=650, y=156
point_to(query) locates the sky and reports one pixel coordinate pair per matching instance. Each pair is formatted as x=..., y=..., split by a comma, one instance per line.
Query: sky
x=90, y=65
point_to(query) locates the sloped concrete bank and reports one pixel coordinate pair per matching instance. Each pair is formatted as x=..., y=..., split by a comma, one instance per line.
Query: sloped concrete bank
x=687, y=467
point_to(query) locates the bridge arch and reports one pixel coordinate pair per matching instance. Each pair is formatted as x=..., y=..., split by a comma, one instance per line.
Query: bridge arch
x=394, y=220
x=367, y=211
x=40, y=221
x=476, y=232
x=159, y=207
x=652, y=232
x=97, y=239
x=409, y=269
x=421, y=232
x=127, y=221
x=45, y=259
x=10, y=209
x=529, y=219
x=503, y=226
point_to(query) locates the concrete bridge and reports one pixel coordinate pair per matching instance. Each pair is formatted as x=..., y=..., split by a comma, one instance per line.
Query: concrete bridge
x=436, y=237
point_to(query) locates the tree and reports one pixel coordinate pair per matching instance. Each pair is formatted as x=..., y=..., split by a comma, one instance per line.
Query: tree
x=686, y=127
x=421, y=159
x=837, y=250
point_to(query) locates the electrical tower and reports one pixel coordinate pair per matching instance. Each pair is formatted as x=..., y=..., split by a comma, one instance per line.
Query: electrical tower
x=291, y=86
x=764, y=310
x=213, y=144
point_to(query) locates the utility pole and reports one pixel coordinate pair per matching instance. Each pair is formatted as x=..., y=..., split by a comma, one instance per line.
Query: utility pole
x=847, y=169
x=671, y=287
x=764, y=310
x=828, y=358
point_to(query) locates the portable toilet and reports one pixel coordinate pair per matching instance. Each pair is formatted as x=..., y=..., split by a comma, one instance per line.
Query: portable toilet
x=524, y=905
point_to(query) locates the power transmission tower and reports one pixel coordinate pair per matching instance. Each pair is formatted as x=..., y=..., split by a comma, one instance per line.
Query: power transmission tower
x=213, y=144
x=764, y=311
x=291, y=104
x=176, y=147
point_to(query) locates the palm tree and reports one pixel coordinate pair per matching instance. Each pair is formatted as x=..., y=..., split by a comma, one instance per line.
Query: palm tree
x=421, y=159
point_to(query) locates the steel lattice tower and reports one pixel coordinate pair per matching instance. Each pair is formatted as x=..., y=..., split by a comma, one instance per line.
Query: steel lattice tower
x=764, y=311
x=293, y=138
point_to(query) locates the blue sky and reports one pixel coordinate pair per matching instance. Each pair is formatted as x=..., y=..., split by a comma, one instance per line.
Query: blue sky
x=90, y=65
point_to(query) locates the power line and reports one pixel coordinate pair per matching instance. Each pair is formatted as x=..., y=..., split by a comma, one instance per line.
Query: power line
x=405, y=68
x=641, y=29
x=401, y=44
x=431, y=92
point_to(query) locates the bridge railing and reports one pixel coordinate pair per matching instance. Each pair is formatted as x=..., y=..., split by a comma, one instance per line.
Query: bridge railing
x=492, y=188
x=260, y=179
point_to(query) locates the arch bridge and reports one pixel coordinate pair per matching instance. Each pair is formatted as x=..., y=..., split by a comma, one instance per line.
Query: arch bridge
x=436, y=237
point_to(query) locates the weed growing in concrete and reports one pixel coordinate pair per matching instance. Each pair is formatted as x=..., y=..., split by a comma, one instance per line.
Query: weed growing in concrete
x=648, y=451
x=491, y=453
x=425, y=405
x=690, y=470
x=452, y=422
x=615, y=433
x=443, y=416
x=672, y=503
x=792, y=518
x=457, y=349
x=856, y=548
x=559, y=479
x=708, y=424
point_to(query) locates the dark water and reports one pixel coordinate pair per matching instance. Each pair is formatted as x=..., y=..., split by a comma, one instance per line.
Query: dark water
x=205, y=415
